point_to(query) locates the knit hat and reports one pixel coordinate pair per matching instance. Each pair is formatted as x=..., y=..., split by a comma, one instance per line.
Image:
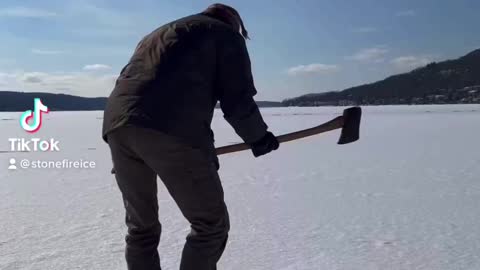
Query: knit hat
x=228, y=15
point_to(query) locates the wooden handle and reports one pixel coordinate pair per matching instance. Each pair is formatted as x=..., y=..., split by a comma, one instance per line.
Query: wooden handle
x=328, y=126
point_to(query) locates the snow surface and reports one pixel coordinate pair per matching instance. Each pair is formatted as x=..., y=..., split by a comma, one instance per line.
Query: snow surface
x=406, y=196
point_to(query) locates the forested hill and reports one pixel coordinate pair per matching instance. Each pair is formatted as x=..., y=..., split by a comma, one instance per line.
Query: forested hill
x=452, y=81
x=20, y=101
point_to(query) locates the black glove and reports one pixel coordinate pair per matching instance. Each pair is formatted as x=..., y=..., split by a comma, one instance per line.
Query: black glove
x=265, y=145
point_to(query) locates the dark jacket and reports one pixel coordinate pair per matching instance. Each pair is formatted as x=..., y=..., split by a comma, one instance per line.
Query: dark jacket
x=175, y=78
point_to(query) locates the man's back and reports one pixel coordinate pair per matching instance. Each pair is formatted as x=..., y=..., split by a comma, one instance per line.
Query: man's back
x=171, y=82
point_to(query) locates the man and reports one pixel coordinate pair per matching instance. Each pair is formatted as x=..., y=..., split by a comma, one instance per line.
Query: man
x=157, y=122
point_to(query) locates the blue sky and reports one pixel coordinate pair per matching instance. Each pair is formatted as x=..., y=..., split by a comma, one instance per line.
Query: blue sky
x=297, y=47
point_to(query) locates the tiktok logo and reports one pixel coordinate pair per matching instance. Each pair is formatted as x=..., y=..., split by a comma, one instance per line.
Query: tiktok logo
x=36, y=116
x=31, y=121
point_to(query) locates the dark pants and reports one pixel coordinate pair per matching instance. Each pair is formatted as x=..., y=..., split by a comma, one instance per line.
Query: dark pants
x=191, y=178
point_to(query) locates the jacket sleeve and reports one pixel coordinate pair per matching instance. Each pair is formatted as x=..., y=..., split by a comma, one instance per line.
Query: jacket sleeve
x=236, y=89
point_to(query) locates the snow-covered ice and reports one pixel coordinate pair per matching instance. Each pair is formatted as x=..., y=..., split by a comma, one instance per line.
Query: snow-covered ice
x=406, y=196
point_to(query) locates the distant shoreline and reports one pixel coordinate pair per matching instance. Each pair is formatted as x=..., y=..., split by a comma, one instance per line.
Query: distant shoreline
x=268, y=107
x=11, y=101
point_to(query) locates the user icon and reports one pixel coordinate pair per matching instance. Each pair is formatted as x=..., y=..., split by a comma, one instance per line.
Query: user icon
x=12, y=164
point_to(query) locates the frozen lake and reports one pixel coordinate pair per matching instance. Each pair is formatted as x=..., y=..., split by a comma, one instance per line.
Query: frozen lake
x=406, y=196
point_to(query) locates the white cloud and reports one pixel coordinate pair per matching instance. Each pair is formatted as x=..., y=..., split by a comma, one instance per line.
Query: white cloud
x=46, y=52
x=410, y=62
x=375, y=54
x=364, y=30
x=321, y=69
x=406, y=13
x=97, y=67
x=32, y=77
x=5, y=78
x=26, y=12
x=75, y=83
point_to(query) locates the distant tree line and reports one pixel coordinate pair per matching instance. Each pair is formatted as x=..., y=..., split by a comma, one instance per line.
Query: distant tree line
x=452, y=81
x=20, y=101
